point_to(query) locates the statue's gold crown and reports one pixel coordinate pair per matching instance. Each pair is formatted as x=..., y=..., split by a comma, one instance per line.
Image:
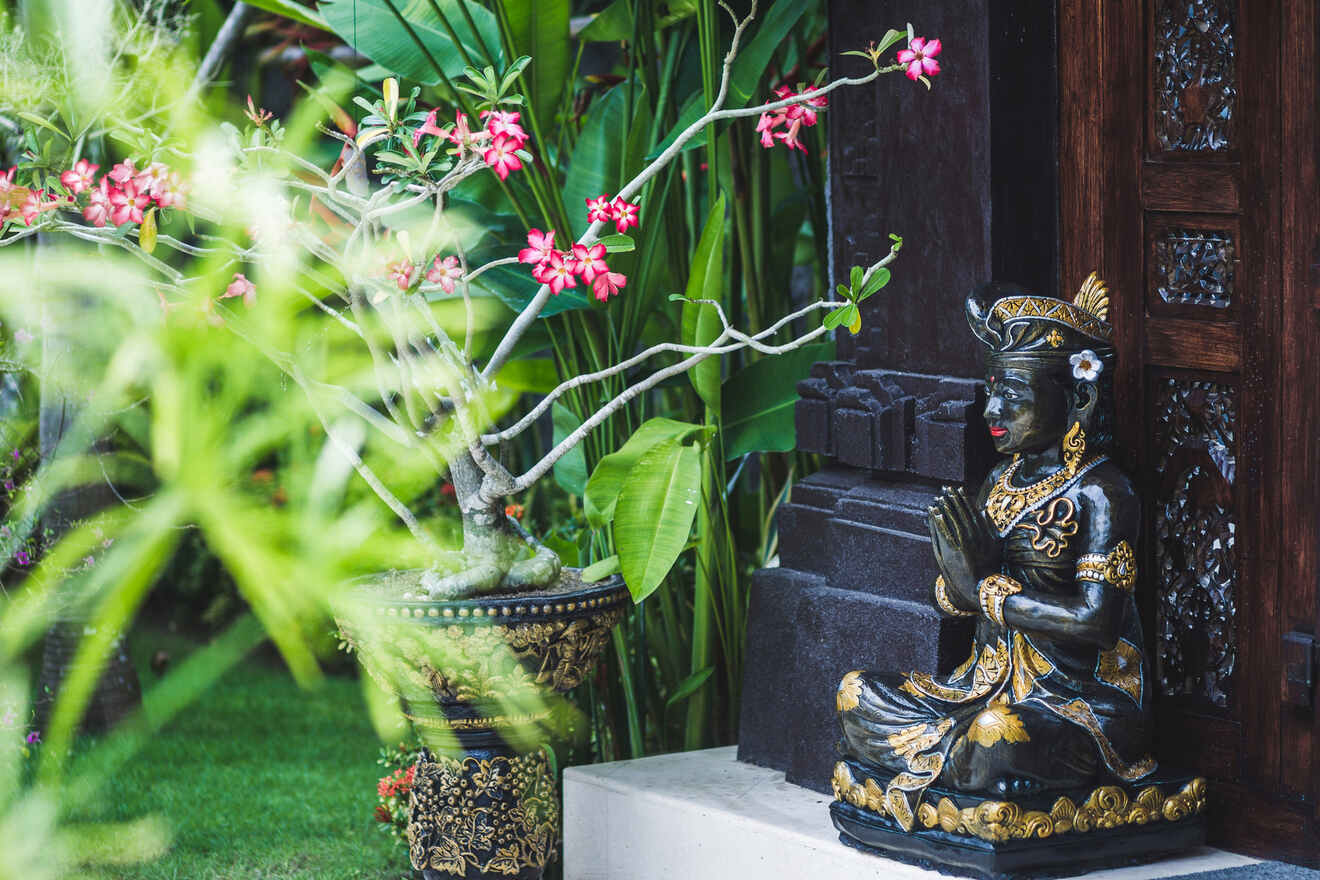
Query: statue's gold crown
x=1019, y=321
x=1088, y=313
x=1093, y=297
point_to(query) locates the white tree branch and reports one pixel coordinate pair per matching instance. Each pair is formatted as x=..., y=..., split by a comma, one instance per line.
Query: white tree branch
x=530, y=312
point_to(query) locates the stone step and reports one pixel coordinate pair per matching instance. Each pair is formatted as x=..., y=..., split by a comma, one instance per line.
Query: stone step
x=705, y=816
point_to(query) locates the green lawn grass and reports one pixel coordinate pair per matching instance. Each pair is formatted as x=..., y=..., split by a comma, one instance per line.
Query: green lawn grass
x=258, y=779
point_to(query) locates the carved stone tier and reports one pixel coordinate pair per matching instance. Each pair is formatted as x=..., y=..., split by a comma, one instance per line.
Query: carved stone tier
x=478, y=678
x=1058, y=833
x=855, y=560
x=885, y=420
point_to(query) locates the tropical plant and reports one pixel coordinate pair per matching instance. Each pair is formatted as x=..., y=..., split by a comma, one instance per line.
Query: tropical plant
x=391, y=250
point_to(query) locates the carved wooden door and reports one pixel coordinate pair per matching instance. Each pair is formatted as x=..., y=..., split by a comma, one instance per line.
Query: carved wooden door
x=1187, y=178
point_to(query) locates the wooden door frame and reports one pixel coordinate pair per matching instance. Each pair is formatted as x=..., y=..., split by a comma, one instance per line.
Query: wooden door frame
x=1101, y=155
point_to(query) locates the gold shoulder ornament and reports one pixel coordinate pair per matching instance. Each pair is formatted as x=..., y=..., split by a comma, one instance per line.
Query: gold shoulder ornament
x=1118, y=567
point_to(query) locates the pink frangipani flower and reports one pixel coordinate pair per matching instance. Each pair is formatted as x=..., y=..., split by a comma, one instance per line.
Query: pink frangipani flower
x=802, y=114
x=123, y=172
x=153, y=179
x=445, y=272
x=598, y=209
x=607, y=284
x=541, y=272
x=539, y=247
x=127, y=203
x=429, y=127
x=240, y=286
x=79, y=177
x=171, y=192
x=790, y=137
x=504, y=122
x=401, y=272
x=464, y=136
x=919, y=57
x=590, y=261
x=33, y=205
x=624, y=214
x=502, y=156
x=22, y=337
x=819, y=100
x=98, y=207
x=558, y=272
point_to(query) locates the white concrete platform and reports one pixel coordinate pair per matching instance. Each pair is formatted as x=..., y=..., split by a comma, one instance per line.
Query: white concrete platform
x=704, y=816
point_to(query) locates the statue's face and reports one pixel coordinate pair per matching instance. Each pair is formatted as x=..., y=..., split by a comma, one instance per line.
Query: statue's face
x=1026, y=409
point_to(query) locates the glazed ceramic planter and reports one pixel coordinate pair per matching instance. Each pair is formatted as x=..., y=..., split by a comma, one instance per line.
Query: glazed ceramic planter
x=479, y=678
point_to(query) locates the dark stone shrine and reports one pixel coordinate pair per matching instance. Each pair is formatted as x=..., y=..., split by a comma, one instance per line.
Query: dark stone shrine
x=967, y=174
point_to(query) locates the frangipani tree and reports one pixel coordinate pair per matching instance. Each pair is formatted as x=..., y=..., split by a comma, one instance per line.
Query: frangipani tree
x=372, y=243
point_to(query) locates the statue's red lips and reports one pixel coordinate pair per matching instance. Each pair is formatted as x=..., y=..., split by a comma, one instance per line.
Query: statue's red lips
x=998, y=432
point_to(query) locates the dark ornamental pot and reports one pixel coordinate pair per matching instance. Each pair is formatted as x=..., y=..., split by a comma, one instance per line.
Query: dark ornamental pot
x=479, y=679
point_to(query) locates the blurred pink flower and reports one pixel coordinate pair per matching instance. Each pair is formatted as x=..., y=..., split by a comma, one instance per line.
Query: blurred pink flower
x=401, y=271
x=123, y=172
x=97, y=211
x=445, y=273
x=240, y=286
x=79, y=177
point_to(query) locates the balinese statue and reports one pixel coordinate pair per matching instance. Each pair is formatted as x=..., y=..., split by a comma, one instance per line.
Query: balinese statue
x=1054, y=694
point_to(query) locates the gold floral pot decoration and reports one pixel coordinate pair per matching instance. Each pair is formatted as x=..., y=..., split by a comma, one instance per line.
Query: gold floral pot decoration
x=478, y=678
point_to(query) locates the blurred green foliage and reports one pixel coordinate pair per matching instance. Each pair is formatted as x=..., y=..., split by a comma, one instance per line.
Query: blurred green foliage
x=229, y=499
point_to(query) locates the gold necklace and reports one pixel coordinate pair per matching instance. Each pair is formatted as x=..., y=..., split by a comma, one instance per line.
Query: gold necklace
x=1007, y=504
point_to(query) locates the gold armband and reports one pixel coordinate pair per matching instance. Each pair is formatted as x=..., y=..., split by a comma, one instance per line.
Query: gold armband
x=994, y=590
x=942, y=600
x=1119, y=567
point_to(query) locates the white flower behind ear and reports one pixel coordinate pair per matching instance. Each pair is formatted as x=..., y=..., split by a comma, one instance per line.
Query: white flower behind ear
x=1086, y=365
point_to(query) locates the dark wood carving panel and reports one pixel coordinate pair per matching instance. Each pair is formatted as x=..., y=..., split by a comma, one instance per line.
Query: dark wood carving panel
x=1195, y=538
x=1194, y=67
x=1189, y=179
x=966, y=173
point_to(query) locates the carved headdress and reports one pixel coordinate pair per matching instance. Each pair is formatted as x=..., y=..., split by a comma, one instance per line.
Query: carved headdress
x=1018, y=322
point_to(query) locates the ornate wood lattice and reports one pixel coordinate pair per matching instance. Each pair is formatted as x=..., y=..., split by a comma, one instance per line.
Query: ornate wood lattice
x=1195, y=538
x=1195, y=267
x=1195, y=75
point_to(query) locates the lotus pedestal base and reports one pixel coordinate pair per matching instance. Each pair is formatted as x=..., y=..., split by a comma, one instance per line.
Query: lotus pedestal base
x=1056, y=834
